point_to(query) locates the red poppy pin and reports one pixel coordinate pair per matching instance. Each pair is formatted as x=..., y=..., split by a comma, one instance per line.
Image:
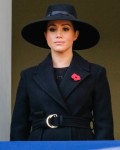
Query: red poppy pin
x=75, y=77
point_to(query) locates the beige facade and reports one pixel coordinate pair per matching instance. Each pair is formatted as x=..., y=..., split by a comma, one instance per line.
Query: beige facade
x=5, y=68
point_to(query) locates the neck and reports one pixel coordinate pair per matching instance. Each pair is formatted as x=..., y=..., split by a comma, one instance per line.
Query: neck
x=61, y=60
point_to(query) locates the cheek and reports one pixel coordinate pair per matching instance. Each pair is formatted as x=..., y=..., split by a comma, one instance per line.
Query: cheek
x=49, y=40
x=71, y=38
x=49, y=37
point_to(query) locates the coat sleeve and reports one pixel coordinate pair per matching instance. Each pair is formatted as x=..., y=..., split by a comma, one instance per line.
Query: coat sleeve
x=102, y=109
x=20, y=125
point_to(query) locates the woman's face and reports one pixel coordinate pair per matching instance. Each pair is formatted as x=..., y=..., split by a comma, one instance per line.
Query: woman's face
x=60, y=35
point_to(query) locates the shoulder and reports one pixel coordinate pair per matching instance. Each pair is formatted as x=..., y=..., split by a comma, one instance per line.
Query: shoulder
x=34, y=69
x=30, y=71
x=92, y=67
x=98, y=72
x=96, y=67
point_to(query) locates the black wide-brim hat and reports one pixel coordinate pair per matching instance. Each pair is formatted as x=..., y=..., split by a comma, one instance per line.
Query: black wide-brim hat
x=34, y=32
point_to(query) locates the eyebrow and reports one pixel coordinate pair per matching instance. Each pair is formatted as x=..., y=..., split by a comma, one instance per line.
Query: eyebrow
x=62, y=25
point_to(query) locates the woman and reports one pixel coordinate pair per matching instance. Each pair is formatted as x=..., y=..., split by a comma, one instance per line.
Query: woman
x=61, y=97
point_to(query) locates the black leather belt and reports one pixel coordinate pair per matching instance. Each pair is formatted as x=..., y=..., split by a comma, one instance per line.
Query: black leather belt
x=56, y=121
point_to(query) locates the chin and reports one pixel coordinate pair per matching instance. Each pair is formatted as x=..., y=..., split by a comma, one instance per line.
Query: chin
x=59, y=50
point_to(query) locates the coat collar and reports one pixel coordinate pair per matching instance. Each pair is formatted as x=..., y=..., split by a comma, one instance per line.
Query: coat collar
x=78, y=66
x=44, y=77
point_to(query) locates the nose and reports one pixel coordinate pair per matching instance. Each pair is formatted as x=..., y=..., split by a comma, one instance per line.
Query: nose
x=59, y=34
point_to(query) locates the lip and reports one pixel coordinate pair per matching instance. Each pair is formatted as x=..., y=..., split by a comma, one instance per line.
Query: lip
x=59, y=42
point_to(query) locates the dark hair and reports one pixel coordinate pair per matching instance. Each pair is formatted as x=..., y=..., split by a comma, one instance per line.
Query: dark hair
x=75, y=25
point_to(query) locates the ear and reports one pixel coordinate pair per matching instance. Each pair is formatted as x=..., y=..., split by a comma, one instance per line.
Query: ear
x=76, y=35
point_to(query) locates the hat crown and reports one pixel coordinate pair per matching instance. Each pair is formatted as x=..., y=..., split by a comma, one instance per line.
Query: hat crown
x=64, y=9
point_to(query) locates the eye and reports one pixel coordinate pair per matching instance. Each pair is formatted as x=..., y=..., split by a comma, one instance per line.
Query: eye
x=51, y=29
x=66, y=29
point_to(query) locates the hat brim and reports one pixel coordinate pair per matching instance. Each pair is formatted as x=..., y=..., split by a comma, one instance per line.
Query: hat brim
x=88, y=35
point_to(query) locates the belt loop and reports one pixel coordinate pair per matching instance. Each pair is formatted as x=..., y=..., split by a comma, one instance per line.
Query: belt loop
x=60, y=120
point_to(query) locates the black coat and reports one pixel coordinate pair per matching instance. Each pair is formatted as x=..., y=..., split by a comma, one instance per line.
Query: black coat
x=88, y=98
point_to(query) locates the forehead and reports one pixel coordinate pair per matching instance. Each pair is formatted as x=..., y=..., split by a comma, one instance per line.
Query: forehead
x=60, y=22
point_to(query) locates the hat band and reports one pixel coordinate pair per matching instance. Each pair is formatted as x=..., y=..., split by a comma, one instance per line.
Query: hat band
x=60, y=13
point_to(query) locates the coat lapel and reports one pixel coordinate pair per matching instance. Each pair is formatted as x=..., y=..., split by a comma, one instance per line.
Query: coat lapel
x=44, y=77
x=78, y=66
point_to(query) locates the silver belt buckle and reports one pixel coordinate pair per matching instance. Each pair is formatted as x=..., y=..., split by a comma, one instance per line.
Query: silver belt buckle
x=48, y=119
